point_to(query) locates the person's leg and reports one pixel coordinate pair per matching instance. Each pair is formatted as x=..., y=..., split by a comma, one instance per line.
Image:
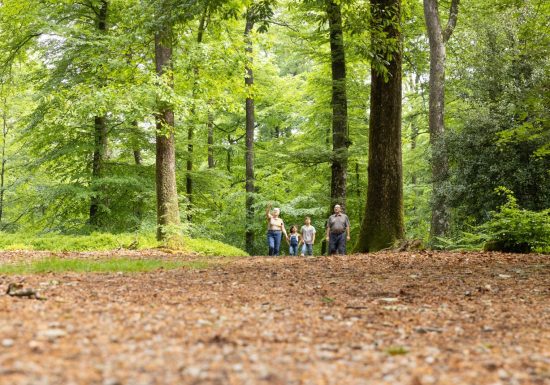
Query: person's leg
x=342, y=245
x=309, y=249
x=338, y=244
x=270, y=242
x=332, y=243
x=277, y=247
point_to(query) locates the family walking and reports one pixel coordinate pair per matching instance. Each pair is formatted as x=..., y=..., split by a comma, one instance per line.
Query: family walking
x=337, y=233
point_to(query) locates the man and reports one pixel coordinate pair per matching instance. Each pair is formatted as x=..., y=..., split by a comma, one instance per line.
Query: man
x=337, y=231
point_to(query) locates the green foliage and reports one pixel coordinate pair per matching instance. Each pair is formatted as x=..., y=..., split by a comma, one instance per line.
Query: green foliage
x=511, y=228
x=59, y=72
x=124, y=265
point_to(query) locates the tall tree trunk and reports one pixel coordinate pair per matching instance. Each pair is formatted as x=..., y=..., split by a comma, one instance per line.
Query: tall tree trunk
x=440, y=164
x=167, y=195
x=191, y=130
x=340, y=141
x=382, y=224
x=4, y=160
x=138, y=210
x=210, y=127
x=250, y=122
x=98, y=162
x=100, y=143
x=228, y=157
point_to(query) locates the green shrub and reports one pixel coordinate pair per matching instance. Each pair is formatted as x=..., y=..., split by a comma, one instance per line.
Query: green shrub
x=510, y=229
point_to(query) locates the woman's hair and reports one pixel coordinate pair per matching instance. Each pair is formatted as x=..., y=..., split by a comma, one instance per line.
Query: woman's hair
x=293, y=227
x=277, y=209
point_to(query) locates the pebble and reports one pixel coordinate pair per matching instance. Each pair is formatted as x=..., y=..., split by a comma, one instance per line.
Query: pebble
x=53, y=334
x=8, y=342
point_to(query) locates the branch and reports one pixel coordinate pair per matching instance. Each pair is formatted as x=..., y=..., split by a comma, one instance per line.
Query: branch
x=451, y=23
x=17, y=48
x=284, y=24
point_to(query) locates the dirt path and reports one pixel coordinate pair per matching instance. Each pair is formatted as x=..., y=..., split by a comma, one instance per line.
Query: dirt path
x=379, y=319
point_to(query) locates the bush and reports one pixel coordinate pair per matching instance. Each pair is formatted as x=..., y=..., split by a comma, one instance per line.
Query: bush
x=509, y=229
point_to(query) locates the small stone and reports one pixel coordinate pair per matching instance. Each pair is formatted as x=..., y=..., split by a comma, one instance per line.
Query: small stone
x=53, y=334
x=8, y=342
x=487, y=329
x=389, y=300
x=111, y=381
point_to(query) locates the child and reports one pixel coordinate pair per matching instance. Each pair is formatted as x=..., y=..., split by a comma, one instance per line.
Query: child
x=308, y=237
x=293, y=240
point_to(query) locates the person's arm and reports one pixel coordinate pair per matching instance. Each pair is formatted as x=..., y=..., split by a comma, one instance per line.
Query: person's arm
x=347, y=228
x=284, y=230
x=313, y=238
x=268, y=211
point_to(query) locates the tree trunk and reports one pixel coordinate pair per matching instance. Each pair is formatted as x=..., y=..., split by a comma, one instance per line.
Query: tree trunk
x=340, y=141
x=228, y=157
x=3, y=161
x=167, y=195
x=250, y=122
x=191, y=130
x=382, y=224
x=100, y=144
x=138, y=208
x=98, y=164
x=440, y=164
x=210, y=126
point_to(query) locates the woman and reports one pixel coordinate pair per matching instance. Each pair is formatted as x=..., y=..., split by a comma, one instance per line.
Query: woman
x=275, y=229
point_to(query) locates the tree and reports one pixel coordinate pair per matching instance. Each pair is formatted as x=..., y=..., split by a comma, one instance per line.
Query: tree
x=340, y=140
x=382, y=224
x=167, y=195
x=100, y=135
x=440, y=164
x=259, y=12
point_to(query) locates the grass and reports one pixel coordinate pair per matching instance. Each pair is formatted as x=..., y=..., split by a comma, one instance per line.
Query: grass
x=108, y=241
x=125, y=265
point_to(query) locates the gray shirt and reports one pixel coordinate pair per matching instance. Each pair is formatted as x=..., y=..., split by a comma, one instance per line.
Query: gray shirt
x=307, y=234
x=338, y=223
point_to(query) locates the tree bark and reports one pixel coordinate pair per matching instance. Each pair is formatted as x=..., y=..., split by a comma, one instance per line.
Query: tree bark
x=98, y=165
x=100, y=143
x=382, y=223
x=210, y=127
x=191, y=130
x=167, y=195
x=250, y=122
x=4, y=160
x=340, y=140
x=441, y=214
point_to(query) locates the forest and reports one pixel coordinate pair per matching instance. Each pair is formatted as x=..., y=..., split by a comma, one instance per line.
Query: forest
x=424, y=120
x=144, y=143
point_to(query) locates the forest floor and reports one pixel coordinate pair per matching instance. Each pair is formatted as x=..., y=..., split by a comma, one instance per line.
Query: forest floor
x=385, y=318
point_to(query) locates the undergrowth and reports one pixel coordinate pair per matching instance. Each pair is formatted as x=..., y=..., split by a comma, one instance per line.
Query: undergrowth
x=125, y=265
x=510, y=229
x=108, y=241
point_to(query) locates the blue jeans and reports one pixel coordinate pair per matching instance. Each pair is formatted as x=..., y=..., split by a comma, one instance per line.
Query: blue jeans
x=293, y=250
x=337, y=243
x=274, y=241
x=307, y=249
